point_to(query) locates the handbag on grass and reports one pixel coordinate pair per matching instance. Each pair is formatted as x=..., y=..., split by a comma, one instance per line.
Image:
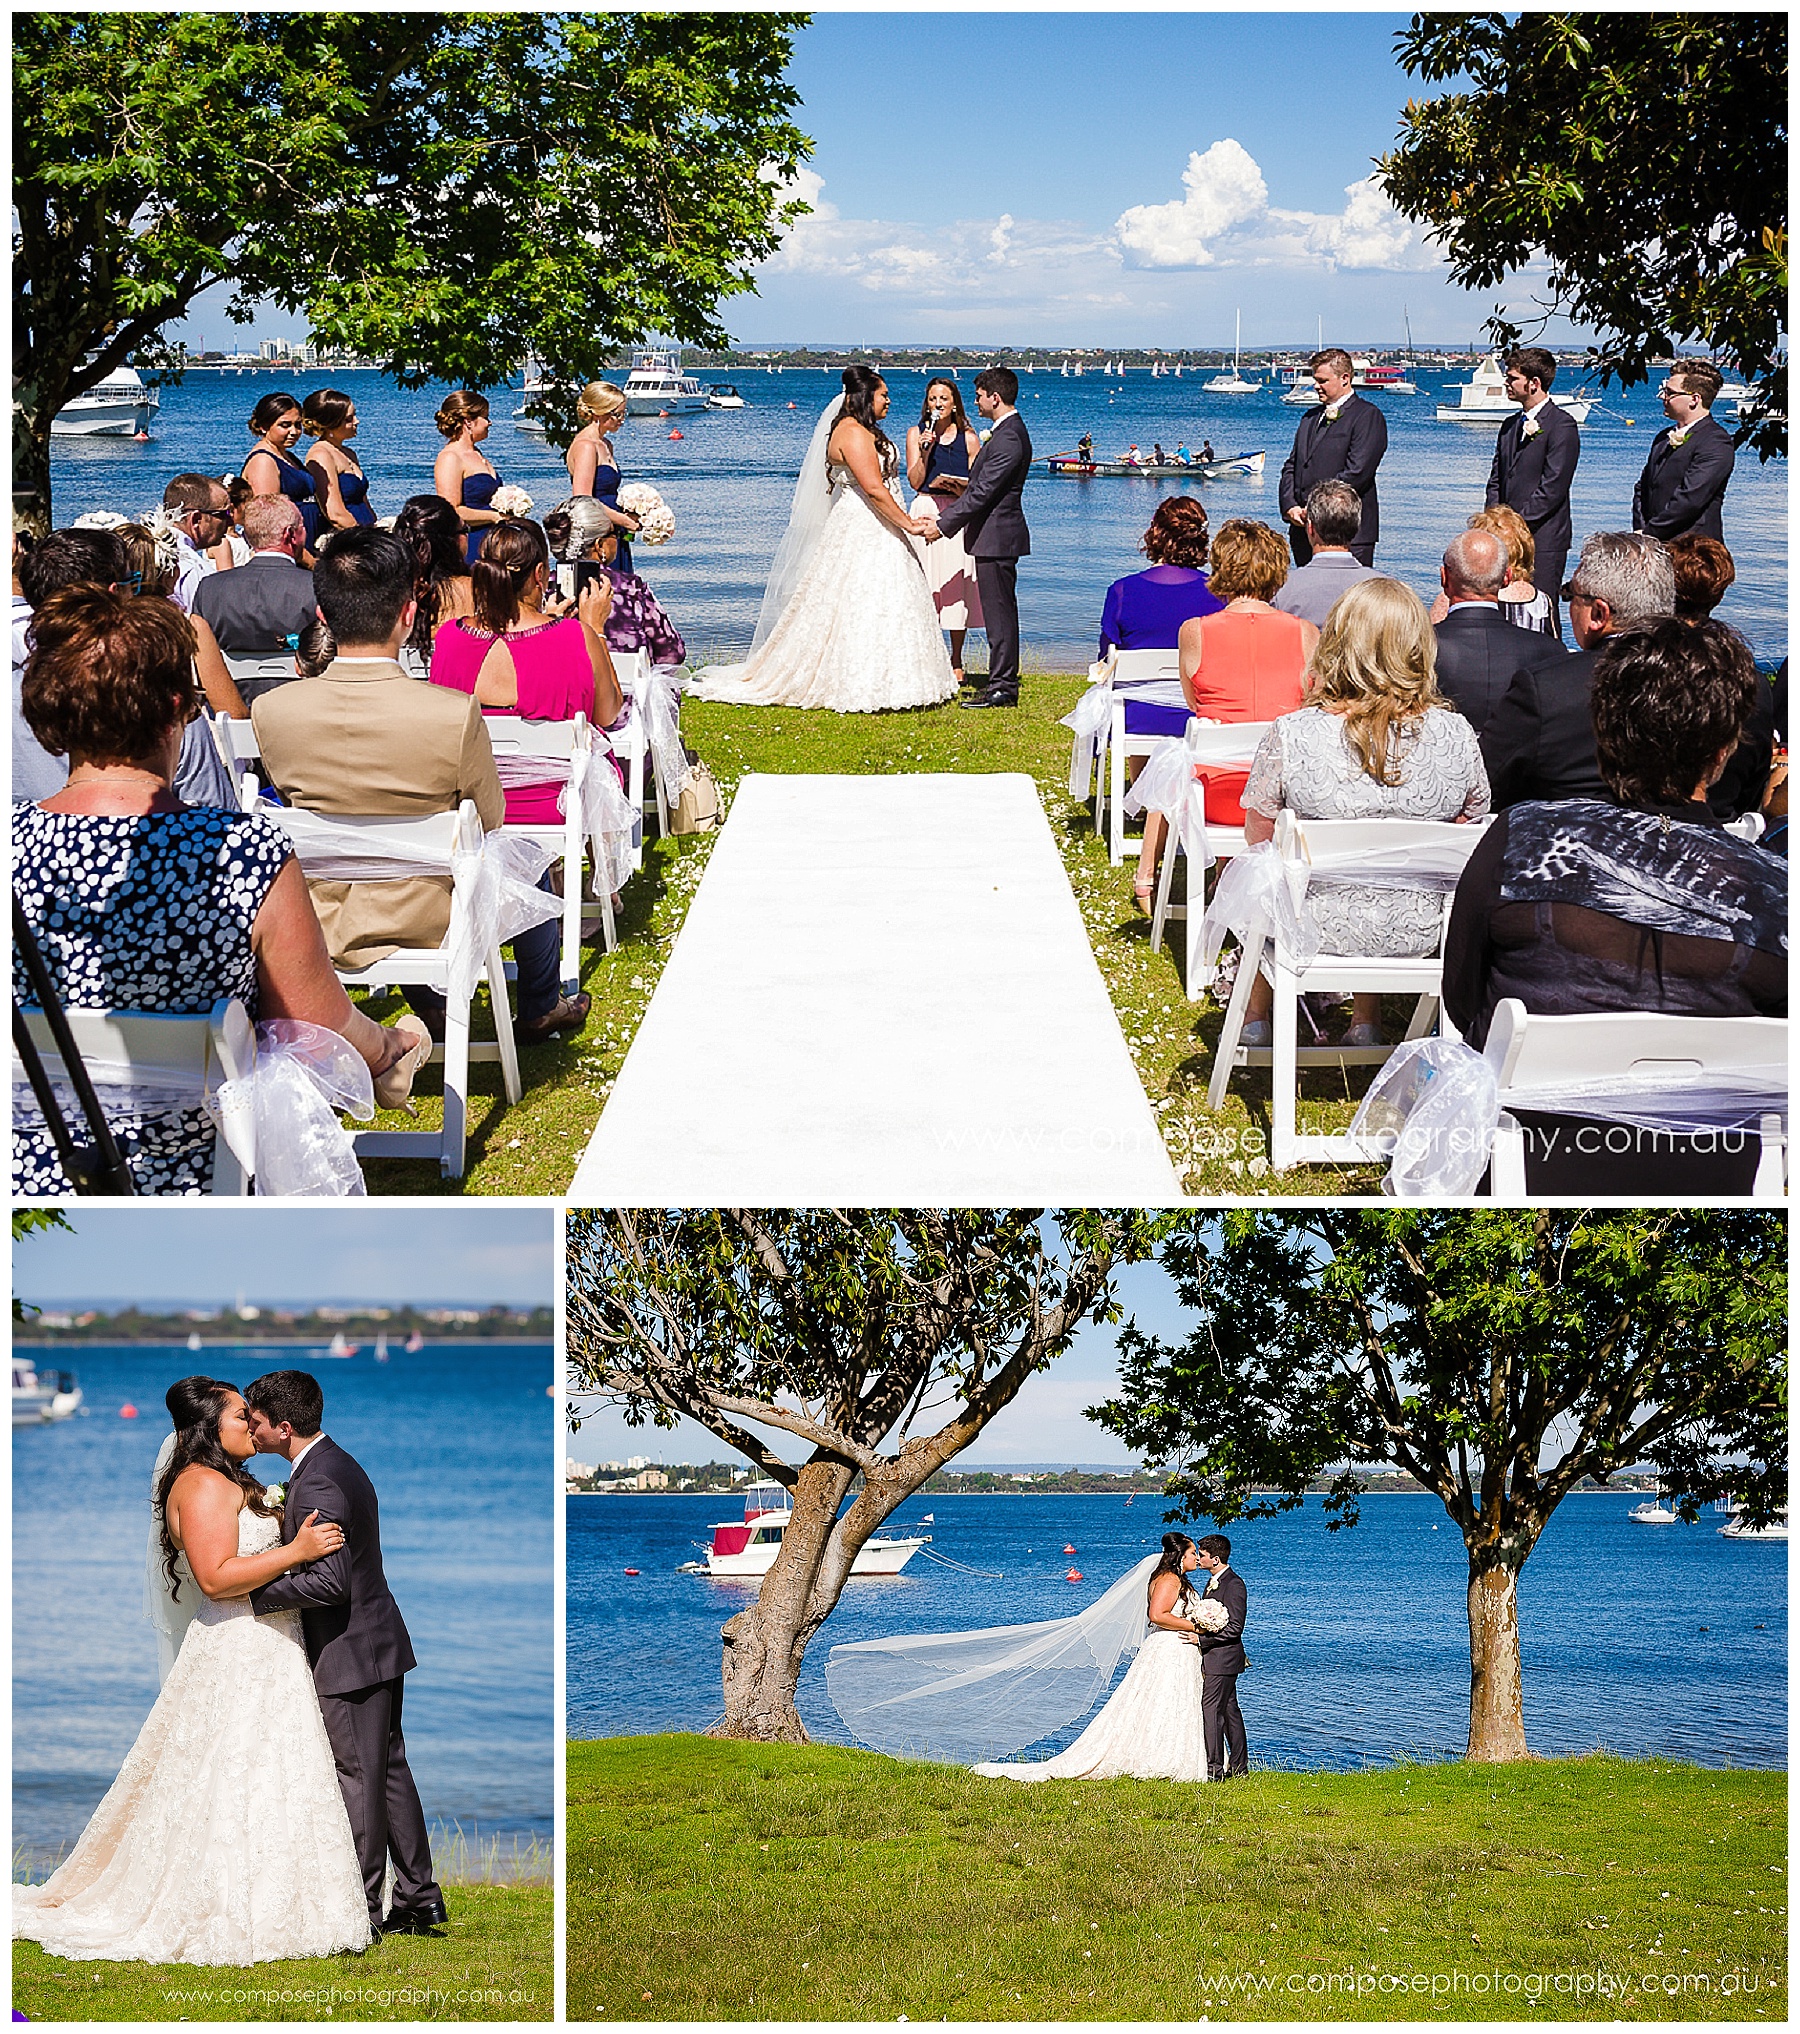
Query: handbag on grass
x=697, y=808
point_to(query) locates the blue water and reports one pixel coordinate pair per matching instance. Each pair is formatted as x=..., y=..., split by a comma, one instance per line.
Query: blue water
x=458, y=1441
x=729, y=479
x=1358, y=1639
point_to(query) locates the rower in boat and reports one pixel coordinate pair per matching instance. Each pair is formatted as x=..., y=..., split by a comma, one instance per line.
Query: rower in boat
x=1085, y=450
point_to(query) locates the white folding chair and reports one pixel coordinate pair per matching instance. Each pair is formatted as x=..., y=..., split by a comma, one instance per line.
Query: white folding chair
x=275, y=664
x=561, y=741
x=1222, y=743
x=194, y=1051
x=404, y=844
x=1543, y=1053
x=1749, y=826
x=237, y=745
x=1136, y=675
x=644, y=784
x=1441, y=848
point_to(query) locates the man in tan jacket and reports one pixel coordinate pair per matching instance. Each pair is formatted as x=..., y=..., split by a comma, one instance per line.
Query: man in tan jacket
x=363, y=740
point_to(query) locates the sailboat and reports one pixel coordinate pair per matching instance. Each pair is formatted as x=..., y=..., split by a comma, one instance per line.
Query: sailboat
x=381, y=1348
x=414, y=1342
x=1654, y=1512
x=1065, y=370
x=193, y=1344
x=340, y=1347
x=1234, y=382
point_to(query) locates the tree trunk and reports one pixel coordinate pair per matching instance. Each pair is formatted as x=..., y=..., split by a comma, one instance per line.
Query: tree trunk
x=1496, y=1690
x=31, y=468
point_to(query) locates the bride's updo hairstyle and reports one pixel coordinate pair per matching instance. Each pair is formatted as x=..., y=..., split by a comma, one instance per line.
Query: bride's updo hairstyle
x=196, y=1405
x=510, y=553
x=860, y=384
x=1176, y=1548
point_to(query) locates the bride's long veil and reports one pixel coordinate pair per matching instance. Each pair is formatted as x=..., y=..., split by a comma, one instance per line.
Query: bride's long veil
x=806, y=523
x=170, y=1615
x=976, y=1695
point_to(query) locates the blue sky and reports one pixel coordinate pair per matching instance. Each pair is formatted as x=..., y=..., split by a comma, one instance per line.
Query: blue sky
x=1089, y=177
x=275, y=1255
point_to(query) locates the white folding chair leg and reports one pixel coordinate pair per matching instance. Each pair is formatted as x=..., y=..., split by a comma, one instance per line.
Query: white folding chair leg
x=1117, y=835
x=662, y=803
x=1423, y=1016
x=634, y=791
x=1102, y=755
x=571, y=923
x=503, y=1030
x=456, y=1086
x=1284, y=1070
x=1235, y=1012
x=1165, y=883
x=1770, y=1183
x=1506, y=1167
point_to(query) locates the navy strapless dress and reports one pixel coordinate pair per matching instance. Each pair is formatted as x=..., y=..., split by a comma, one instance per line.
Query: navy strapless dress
x=607, y=482
x=297, y=485
x=354, y=487
x=478, y=492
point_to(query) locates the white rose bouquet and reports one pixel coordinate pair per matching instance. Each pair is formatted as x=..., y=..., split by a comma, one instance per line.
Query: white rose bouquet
x=510, y=501
x=656, y=520
x=1210, y=1614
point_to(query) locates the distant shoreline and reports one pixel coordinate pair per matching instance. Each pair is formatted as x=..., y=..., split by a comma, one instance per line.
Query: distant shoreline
x=287, y=1342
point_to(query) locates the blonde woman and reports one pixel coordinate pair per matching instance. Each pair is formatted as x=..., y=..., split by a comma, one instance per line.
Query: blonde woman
x=1521, y=603
x=463, y=473
x=593, y=465
x=1374, y=739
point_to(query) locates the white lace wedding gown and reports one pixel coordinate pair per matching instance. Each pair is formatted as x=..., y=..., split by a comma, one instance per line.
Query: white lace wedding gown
x=861, y=633
x=224, y=1840
x=1151, y=1729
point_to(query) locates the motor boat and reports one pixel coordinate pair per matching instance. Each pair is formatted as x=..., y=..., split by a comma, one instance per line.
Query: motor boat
x=1775, y=1531
x=748, y=1546
x=657, y=384
x=1482, y=399
x=39, y=1396
x=722, y=396
x=118, y=407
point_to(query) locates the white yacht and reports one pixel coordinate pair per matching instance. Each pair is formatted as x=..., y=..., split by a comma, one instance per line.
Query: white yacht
x=656, y=383
x=1775, y=1530
x=41, y=1395
x=118, y=407
x=1482, y=399
x=748, y=1547
x=1653, y=1511
x=723, y=396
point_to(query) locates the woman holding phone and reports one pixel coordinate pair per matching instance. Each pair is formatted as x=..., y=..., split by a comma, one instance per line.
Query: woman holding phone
x=940, y=449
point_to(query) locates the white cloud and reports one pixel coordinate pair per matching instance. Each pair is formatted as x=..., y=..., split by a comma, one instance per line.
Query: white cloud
x=1224, y=189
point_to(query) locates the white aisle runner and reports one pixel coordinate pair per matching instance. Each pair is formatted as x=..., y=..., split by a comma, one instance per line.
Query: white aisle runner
x=883, y=996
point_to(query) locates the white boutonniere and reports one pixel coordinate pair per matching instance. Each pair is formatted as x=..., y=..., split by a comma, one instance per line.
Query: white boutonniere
x=276, y=1493
x=1680, y=437
x=1331, y=412
x=1532, y=428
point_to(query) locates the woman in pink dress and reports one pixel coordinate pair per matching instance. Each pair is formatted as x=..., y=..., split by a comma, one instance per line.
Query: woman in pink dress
x=517, y=656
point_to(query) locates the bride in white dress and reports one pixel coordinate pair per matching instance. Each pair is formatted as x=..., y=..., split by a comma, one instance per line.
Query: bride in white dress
x=956, y=1695
x=225, y=1839
x=848, y=621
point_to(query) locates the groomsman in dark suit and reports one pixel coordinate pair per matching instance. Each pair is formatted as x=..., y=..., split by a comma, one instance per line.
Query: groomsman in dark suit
x=1682, y=486
x=1221, y=1662
x=991, y=510
x=1343, y=439
x=1534, y=464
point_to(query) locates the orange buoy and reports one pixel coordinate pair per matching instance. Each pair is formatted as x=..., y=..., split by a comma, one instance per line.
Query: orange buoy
x=793, y=406
x=128, y=1412
x=677, y=434
x=1074, y=1575
x=1069, y=1549
x=633, y=1571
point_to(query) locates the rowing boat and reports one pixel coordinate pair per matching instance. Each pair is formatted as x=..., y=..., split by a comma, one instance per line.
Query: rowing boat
x=1068, y=467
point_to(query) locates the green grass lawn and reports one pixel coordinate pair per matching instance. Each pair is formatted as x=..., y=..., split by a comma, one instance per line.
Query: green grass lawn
x=494, y=1963
x=532, y=1149
x=720, y=1881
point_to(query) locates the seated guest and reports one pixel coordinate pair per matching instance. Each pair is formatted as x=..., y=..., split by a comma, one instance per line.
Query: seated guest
x=1637, y=899
x=154, y=562
x=1521, y=601
x=1375, y=740
x=433, y=531
x=1704, y=573
x=141, y=902
x=362, y=739
x=257, y=610
x=200, y=511
x=1333, y=517
x=1477, y=652
x=1539, y=738
x=1246, y=662
x=101, y=558
x=241, y=493
x=1146, y=610
x=579, y=530
x=517, y=658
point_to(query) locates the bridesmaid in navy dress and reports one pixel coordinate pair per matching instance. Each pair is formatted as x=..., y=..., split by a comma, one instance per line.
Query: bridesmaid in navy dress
x=272, y=468
x=593, y=465
x=463, y=474
x=329, y=419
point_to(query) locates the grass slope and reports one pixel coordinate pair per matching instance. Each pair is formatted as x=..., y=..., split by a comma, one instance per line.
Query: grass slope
x=533, y=1148
x=723, y=1881
x=494, y=1963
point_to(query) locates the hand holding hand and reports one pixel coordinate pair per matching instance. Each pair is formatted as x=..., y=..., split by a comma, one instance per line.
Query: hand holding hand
x=926, y=527
x=313, y=1542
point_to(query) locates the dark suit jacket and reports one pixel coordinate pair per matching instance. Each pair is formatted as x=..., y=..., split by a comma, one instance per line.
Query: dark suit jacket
x=1223, y=1651
x=990, y=510
x=354, y=1634
x=1539, y=740
x=1478, y=653
x=1682, y=487
x=1533, y=476
x=1348, y=450
x=255, y=607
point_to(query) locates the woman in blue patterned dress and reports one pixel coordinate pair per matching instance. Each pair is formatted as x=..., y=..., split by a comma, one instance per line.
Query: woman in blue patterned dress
x=271, y=467
x=139, y=902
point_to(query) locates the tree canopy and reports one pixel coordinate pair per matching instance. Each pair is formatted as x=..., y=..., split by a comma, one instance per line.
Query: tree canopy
x=443, y=193
x=1643, y=155
x=1498, y=1357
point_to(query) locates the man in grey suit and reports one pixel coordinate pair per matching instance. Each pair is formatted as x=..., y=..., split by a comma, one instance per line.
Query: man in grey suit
x=1479, y=652
x=258, y=608
x=1535, y=457
x=991, y=510
x=1682, y=486
x=357, y=1645
x=1333, y=516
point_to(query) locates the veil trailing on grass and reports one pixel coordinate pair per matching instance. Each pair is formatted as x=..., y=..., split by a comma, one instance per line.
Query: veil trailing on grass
x=974, y=1695
x=806, y=523
x=170, y=1615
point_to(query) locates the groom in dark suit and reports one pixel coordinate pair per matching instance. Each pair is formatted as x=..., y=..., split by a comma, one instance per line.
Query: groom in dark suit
x=1535, y=457
x=1343, y=439
x=992, y=512
x=1221, y=1662
x=357, y=1645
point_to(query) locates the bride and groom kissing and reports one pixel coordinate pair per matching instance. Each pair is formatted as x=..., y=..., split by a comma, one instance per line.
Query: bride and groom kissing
x=256, y=1814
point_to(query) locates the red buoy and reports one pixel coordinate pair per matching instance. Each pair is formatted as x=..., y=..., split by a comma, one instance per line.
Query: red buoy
x=128, y=1412
x=677, y=434
x=1068, y=1549
x=1074, y=1575
x=793, y=406
x=140, y=437
x=633, y=1571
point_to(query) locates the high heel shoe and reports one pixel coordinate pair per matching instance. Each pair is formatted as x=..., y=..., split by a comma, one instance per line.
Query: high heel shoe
x=393, y=1089
x=1143, y=894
